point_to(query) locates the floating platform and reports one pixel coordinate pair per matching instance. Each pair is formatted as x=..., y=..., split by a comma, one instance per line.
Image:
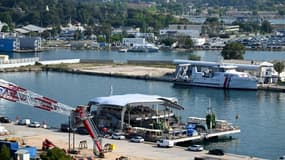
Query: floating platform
x=205, y=136
x=223, y=129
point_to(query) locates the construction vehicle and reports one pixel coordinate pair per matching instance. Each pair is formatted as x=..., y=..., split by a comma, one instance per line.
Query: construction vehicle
x=79, y=116
x=15, y=139
x=47, y=144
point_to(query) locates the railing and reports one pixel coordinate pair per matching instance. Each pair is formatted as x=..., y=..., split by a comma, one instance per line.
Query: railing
x=17, y=61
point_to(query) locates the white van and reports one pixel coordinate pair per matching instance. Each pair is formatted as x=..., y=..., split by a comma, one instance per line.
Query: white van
x=164, y=143
x=24, y=122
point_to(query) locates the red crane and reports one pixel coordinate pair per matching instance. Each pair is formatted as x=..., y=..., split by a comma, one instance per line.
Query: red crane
x=79, y=115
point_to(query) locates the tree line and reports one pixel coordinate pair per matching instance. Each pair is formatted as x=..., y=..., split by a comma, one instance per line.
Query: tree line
x=59, y=12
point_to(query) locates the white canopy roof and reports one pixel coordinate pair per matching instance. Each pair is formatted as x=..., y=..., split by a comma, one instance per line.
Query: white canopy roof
x=135, y=100
x=211, y=64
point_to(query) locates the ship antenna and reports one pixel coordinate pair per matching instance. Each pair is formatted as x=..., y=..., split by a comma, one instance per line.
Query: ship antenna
x=209, y=107
x=111, y=90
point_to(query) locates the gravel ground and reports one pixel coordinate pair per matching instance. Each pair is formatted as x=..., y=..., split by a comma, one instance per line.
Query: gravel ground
x=135, y=151
x=129, y=70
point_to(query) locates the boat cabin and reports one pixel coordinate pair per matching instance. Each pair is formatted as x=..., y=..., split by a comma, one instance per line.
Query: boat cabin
x=264, y=72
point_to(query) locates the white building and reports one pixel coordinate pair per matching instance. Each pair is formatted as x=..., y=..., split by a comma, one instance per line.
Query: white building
x=133, y=41
x=68, y=32
x=30, y=28
x=181, y=29
x=231, y=29
x=198, y=41
x=128, y=30
x=23, y=154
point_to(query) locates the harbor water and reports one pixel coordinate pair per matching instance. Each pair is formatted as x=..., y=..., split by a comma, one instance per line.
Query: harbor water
x=206, y=55
x=260, y=114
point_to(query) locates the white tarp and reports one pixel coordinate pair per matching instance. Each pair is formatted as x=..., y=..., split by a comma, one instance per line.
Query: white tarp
x=132, y=99
x=3, y=130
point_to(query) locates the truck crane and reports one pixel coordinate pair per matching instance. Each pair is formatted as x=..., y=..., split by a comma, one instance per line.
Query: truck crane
x=79, y=115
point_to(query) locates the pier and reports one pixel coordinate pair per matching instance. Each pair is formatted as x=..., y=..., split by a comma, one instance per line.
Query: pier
x=223, y=129
x=206, y=136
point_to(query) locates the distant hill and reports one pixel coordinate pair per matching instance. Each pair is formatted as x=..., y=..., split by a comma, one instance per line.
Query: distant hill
x=114, y=12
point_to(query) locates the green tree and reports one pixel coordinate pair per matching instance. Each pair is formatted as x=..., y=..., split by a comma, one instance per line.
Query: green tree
x=211, y=120
x=255, y=13
x=233, y=50
x=5, y=29
x=6, y=17
x=4, y=152
x=188, y=43
x=279, y=67
x=101, y=39
x=78, y=35
x=168, y=41
x=116, y=37
x=211, y=26
x=55, y=154
x=266, y=27
x=281, y=12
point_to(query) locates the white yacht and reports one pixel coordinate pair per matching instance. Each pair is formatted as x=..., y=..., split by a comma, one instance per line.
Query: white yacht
x=148, y=47
x=214, y=75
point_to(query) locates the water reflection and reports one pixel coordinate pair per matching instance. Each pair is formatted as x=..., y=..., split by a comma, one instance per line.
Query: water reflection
x=206, y=55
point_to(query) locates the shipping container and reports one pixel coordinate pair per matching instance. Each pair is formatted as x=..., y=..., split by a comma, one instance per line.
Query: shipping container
x=30, y=43
x=10, y=145
x=8, y=44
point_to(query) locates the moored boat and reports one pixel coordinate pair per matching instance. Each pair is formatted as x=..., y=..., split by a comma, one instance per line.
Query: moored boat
x=216, y=75
x=144, y=48
x=123, y=50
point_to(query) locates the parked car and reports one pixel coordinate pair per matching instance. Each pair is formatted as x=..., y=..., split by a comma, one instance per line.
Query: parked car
x=195, y=148
x=24, y=122
x=35, y=124
x=131, y=135
x=118, y=136
x=5, y=120
x=64, y=127
x=217, y=152
x=82, y=130
x=164, y=143
x=138, y=139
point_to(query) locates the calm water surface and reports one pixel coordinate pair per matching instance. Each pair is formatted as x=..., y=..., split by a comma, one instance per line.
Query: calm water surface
x=261, y=114
x=123, y=57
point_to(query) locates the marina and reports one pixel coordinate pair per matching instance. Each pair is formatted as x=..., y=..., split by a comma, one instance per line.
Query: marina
x=111, y=112
x=142, y=80
x=250, y=106
x=226, y=104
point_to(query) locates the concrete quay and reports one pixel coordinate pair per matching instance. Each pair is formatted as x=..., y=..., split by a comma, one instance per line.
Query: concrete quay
x=138, y=151
x=271, y=87
x=148, y=73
